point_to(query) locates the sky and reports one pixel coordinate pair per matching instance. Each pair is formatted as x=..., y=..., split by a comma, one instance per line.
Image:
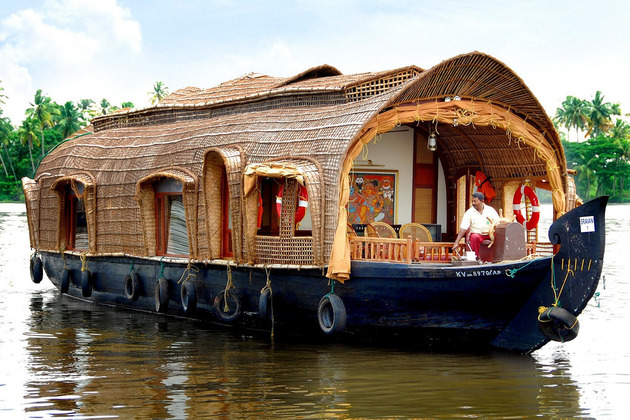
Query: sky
x=118, y=49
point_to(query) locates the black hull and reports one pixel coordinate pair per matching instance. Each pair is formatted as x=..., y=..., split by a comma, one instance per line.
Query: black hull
x=469, y=307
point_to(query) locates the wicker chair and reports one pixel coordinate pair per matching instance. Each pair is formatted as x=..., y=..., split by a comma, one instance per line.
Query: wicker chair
x=416, y=231
x=380, y=230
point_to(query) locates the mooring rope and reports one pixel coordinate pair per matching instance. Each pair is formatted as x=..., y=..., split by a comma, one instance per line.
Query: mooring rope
x=228, y=286
x=188, y=272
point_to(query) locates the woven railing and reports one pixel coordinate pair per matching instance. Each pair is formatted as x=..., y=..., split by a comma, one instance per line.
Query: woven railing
x=401, y=250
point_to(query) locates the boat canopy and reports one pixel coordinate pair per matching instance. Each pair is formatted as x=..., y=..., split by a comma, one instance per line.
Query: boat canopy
x=222, y=143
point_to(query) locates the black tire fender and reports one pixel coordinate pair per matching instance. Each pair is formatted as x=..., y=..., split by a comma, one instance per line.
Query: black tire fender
x=132, y=286
x=161, y=295
x=189, y=297
x=264, y=304
x=558, y=324
x=86, y=283
x=234, y=305
x=66, y=279
x=37, y=269
x=331, y=314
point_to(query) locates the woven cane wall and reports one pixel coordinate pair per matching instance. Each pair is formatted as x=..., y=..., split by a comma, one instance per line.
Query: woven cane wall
x=123, y=156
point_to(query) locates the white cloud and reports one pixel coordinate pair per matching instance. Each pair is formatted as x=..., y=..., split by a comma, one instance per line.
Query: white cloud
x=56, y=47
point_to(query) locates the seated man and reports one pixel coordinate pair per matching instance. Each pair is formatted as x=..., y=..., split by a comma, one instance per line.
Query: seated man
x=478, y=219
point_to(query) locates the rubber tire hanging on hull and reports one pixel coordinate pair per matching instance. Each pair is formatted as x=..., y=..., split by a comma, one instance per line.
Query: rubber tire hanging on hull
x=66, y=279
x=132, y=286
x=161, y=295
x=331, y=314
x=558, y=324
x=86, y=283
x=37, y=269
x=219, y=307
x=189, y=297
x=264, y=305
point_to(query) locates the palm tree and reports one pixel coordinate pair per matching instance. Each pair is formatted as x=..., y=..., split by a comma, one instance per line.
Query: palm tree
x=70, y=120
x=104, y=106
x=160, y=91
x=85, y=108
x=42, y=110
x=29, y=133
x=621, y=130
x=599, y=115
x=573, y=114
x=5, y=133
x=2, y=96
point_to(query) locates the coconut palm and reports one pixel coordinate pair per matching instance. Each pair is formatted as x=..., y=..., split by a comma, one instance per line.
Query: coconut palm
x=160, y=91
x=621, y=130
x=600, y=114
x=5, y=135
x=573, y=114
x=85, y=107
x=2, y=95
x=105, y=105
x=43, y=110
x=29, y=133
x=69, y=121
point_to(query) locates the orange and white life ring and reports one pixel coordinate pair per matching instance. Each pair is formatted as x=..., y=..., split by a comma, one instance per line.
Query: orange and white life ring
x=302, y=203
x=518, y=195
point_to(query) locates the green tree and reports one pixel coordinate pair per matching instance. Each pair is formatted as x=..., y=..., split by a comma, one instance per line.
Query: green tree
x=2, y=95
x=573, y=114
x=43, y=110
x=5, y=135
x=127, y=105
x=86, y=108
x=105, y=105
x=69, y=121
x=600, y=115
x=29, y=133
x=160, y=91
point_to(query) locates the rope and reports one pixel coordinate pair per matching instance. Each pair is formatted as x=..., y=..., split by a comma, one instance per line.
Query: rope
x=189, y=268
x=268, y=287
x=84, y=262
x=228, y=286
x=131, y=268
x=161, y=268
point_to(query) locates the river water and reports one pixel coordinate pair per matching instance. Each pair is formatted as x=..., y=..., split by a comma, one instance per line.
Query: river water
x=62, y=358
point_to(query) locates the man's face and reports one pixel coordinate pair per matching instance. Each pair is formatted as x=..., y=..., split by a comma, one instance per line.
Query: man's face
x=477, y=203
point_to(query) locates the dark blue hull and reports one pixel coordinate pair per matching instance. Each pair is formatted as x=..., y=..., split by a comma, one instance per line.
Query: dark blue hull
x=476, y=306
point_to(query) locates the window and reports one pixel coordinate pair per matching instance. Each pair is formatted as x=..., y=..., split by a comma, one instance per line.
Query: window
x=170, y=215
x=76, y=221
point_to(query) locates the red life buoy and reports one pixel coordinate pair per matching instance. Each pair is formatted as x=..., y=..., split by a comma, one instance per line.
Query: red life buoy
x=302, y=203
x=518, y=195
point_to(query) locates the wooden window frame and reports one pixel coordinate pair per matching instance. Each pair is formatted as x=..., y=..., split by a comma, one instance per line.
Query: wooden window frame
x=72, y=204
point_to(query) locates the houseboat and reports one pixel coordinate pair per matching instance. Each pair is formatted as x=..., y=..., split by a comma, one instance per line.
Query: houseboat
x=326, y=205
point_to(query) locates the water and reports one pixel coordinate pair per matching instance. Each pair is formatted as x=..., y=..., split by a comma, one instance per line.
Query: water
x=62, y=358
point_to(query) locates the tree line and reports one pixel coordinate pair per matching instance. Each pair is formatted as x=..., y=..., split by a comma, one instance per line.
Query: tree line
x=46, y=124
x=602, y=160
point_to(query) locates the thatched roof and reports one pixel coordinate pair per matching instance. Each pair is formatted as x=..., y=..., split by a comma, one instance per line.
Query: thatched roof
x=314, y=118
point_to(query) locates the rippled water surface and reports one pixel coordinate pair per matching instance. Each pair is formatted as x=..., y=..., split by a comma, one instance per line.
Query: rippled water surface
x=62, y=358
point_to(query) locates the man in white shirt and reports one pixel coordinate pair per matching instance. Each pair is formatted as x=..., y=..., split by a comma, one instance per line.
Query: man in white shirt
x=478, y=218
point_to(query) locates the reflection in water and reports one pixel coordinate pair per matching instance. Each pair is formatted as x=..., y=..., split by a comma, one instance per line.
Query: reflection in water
x=102, y=361
x=70, y=358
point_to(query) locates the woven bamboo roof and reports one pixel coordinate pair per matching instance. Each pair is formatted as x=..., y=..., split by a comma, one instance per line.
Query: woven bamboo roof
x=313, y=118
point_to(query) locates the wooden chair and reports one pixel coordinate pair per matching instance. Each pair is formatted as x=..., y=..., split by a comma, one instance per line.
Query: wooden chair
x=416, y=231
x=380, y=230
